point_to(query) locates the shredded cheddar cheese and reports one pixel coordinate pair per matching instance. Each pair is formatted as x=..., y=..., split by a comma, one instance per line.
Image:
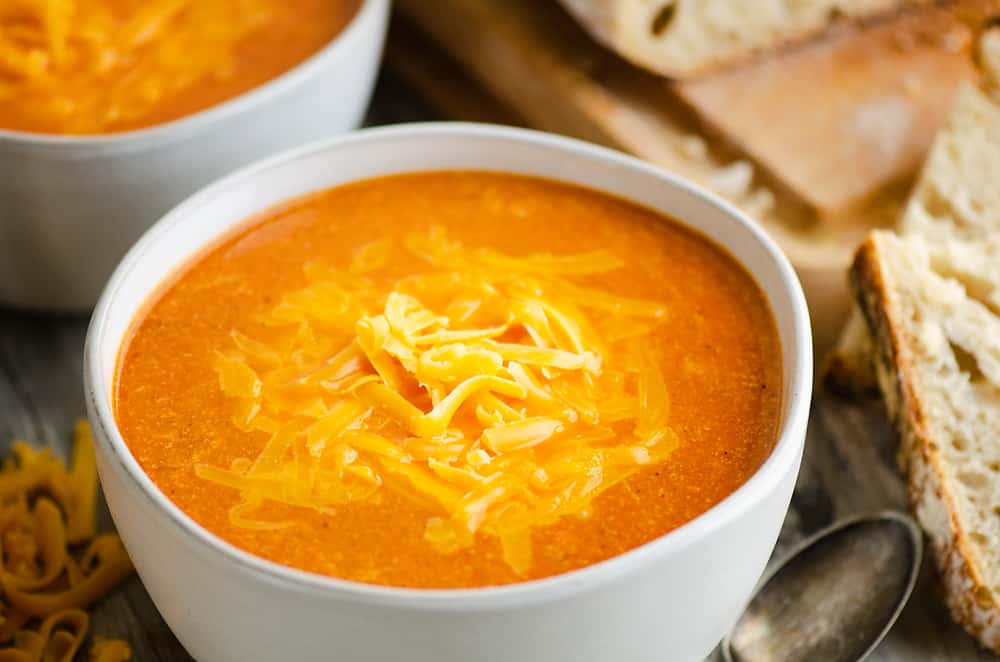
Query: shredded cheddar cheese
x=87, y=66
x=498, y=391
x=44, y=509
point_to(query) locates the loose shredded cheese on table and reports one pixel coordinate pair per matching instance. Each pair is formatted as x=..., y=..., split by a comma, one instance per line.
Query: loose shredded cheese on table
x=44, y=510
x=89, y=67
x=491, y=389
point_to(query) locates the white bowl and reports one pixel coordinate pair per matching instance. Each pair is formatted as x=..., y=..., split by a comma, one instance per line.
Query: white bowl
x=671, y=599
x=70, y=206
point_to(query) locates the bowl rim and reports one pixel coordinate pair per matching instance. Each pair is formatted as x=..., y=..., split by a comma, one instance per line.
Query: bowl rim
x=220, y=112
x=785, y=454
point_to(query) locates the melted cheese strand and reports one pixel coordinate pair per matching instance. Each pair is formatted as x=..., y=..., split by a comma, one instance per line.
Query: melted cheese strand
x=521, y=434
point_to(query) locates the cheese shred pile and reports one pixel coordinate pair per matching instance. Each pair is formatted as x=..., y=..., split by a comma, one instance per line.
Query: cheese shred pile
x=54, y=564
x=496, y=391
x=87, y=66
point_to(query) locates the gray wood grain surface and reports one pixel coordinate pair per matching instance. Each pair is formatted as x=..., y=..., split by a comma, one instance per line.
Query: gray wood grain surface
x=848, y=466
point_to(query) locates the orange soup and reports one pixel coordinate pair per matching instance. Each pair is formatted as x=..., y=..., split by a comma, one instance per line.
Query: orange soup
x=103, y=66
x=452, y=379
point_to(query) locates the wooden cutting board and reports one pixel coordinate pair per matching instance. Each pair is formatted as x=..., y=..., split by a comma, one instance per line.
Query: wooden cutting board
x=838, y=121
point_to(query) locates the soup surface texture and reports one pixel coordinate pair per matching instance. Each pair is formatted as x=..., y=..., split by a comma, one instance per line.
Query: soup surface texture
x=452, y=379
x=104, y=66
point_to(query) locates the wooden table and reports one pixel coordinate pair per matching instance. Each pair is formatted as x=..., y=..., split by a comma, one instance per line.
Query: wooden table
x=848, y=466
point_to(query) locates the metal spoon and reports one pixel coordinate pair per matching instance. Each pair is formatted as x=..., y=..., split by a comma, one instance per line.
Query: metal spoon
x=834, y=597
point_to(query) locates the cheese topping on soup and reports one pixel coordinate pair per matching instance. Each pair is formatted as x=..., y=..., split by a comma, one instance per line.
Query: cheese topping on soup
x=451, y=379
x=492, y=388
x=100, y=66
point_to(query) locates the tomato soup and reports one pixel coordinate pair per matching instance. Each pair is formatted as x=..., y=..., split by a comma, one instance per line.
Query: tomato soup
x=452, y=379
x=104, y=66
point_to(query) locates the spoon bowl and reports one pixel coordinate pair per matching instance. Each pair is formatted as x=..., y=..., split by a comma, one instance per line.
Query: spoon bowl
x=834, y=597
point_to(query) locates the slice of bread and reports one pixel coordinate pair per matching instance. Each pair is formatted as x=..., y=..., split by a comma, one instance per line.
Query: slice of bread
x=934, y=312
x=956, y=196
x=930, y=297
x=684, y=38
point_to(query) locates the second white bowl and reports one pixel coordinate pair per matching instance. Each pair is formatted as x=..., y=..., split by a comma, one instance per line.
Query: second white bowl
x=70, y=206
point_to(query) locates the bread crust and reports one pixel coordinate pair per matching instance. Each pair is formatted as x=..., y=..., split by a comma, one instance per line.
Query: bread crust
x=970, y=600
x=613, y=23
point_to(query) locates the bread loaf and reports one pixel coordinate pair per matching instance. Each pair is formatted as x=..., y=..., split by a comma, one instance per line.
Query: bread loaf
x=684, y=38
